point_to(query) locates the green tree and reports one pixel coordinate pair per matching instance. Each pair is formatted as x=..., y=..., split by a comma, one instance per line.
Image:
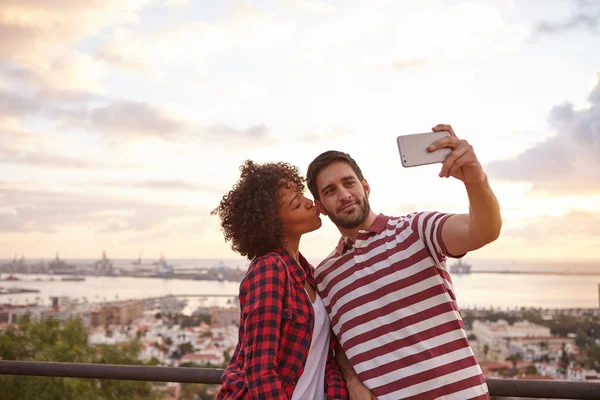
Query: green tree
x=68, y=342
x=563, y=361
x=593, y=360
x=514, y=359
x=531, y=370
x=198, y=391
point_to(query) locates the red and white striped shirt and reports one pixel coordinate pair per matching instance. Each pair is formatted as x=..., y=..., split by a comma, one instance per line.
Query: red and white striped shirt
x=392, y=306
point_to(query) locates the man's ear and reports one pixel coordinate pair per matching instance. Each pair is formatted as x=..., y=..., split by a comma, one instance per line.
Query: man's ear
x=366, y=186
x=320, y=207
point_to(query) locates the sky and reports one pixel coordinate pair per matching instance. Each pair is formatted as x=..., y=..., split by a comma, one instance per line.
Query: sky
x=123, y=122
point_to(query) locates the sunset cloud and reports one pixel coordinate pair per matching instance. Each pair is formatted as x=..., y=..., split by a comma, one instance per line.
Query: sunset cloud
x=123, y=122
x=52, y=211
x=565, y=163
x=585, y=18
x=136, y=118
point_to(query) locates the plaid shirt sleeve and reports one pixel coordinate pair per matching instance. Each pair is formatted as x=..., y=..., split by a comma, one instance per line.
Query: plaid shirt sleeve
x=335, y=387
x=262, y=320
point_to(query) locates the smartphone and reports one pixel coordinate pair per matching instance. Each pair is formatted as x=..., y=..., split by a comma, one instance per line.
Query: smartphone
x=413, y=149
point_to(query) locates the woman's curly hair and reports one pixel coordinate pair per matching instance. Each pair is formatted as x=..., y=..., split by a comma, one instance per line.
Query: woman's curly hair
x=249, y=212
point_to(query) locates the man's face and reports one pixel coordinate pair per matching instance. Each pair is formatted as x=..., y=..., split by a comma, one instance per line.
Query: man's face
x=342, y=196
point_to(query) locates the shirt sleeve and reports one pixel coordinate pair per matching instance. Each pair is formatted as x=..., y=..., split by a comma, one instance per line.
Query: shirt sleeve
x=335, y=387
x=262, y=311
x=429, y=225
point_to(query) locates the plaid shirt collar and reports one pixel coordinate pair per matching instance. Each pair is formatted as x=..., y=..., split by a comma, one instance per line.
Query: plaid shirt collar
x=300, y=271
x=346, y=243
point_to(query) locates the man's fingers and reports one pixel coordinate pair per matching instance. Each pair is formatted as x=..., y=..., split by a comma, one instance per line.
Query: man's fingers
x=444, y=127
x=447, y=141
x=440, y=127
x=452, y=159
x=458, y=164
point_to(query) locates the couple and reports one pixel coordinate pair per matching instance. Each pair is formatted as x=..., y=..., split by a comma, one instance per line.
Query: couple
x=384, y=292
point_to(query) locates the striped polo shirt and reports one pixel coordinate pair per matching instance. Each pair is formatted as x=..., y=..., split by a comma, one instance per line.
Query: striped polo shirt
x=392, y=306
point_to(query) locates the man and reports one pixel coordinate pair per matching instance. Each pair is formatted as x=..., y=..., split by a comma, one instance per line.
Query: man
x=386, y=287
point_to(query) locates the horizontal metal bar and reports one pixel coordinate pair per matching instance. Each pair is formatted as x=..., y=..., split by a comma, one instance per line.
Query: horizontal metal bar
x=498, y=387
x=547, y=389
x=111, y=371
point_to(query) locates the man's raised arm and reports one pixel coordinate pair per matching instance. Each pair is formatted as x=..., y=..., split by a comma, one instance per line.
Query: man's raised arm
x=466, y=232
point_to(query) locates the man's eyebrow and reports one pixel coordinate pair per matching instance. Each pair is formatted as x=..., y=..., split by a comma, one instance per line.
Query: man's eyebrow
x=344, y=179
x=326, y=187
x=292, y=200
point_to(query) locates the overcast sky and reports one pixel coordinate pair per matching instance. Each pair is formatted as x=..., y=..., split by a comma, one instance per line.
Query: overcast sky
x=122, y=123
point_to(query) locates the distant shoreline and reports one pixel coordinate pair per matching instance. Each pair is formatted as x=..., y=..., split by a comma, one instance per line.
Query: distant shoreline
x=509, y=272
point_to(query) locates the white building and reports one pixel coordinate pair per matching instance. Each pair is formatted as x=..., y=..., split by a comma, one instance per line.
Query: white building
x=212, y=355
x=495, y=334
x=581, y=374
x=11, y=314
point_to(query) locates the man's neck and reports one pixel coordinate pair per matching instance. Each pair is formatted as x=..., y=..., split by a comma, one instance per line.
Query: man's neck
x=351, y=233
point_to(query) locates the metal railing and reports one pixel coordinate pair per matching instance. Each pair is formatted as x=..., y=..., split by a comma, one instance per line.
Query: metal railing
x=498, y=387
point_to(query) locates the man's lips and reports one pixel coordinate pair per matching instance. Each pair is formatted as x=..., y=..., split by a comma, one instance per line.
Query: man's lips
x=346, y=207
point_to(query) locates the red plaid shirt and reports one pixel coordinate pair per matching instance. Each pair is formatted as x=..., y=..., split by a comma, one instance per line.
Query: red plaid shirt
x=276, y=326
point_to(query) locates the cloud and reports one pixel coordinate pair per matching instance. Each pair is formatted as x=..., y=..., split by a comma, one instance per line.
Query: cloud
x=31, y=27
x=12, y=156
x=566, y=162
x=585, y=18
x=168, y=185
x=41, y=37
x=147, y=217
x=53, y=149
x=14, y=104
x=46, y=211
x=136, y=118
x=575, y=225
x=119, y=58
x=226, y=131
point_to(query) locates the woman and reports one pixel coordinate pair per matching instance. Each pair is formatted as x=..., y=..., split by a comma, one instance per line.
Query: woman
x=284, y=348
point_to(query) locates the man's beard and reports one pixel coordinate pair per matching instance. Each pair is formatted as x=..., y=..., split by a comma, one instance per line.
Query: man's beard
x=353, y=220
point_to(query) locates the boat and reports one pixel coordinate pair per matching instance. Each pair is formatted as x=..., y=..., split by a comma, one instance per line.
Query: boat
x=73, y=279
x=460, y=268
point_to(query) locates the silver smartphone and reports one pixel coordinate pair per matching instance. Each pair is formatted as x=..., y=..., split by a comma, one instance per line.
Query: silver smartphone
x=413, y=149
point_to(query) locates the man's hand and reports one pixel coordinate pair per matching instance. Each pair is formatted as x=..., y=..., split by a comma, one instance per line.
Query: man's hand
x=462, y=163
x=358, y=391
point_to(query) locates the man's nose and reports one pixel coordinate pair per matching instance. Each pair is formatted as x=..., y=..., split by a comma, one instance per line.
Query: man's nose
x=344, y=194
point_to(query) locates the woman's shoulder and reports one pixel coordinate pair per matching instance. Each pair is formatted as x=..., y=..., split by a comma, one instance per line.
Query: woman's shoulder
x=270, y=263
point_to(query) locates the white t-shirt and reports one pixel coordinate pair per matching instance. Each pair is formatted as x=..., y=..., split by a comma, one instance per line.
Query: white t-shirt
x=311, y=384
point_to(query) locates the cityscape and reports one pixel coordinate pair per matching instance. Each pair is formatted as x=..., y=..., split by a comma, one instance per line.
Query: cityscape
x=104, y=266
x=512, y=343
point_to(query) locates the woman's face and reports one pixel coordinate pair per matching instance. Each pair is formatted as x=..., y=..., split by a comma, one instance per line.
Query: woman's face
x=298, y=214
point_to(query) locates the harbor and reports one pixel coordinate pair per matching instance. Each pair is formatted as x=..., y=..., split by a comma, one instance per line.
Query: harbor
x=13, y=291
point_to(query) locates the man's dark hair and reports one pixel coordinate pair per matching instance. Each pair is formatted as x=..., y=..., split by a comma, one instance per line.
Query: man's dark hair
x=249, y=212
x=323, y=160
